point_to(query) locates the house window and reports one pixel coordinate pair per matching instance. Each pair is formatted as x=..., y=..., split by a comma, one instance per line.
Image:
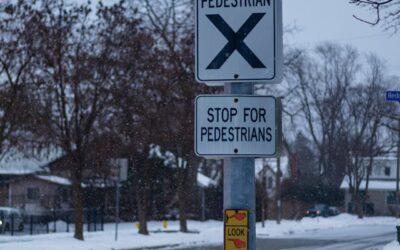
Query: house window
x=64, y=194
x=387, y=171
x=391, y=197
x=33, y=194
x=377, y=171
x=270, y=182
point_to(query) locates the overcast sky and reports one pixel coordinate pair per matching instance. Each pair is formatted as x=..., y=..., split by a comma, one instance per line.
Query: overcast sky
x=331, y=20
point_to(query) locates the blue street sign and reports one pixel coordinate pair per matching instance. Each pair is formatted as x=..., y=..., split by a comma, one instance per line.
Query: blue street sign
x=393, y=96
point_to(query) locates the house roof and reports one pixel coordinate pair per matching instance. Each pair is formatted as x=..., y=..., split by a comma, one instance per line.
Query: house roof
x=204, y=181
x=18, y=163
x=55, y=179
x=381, y=185
x=272, y=162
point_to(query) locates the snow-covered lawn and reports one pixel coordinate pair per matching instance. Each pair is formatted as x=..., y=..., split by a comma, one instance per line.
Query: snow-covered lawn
x=288, y=228
x=207, y=233
x=392, y=246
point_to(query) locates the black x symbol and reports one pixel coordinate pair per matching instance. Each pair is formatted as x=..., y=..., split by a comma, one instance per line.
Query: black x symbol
x=236, y=41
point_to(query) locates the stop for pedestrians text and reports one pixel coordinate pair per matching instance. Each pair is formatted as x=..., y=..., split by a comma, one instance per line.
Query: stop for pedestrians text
x=253, y=117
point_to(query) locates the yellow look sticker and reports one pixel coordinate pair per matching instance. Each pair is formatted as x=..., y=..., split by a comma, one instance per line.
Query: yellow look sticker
x=236, y=217
x=236, y=229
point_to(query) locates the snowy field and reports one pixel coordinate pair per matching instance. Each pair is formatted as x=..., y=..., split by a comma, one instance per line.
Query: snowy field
x=392, y=246
x=203, y=233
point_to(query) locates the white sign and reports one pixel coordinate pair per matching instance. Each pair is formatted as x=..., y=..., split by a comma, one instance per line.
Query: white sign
x=238, y=41
x=235, y=125
x=120, y=168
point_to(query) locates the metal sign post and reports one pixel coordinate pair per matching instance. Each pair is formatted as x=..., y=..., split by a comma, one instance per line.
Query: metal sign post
x=122, y=175
x=239, y=177
x=117, y=205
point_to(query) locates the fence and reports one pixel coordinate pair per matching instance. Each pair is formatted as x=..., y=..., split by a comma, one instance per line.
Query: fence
x=13, y=223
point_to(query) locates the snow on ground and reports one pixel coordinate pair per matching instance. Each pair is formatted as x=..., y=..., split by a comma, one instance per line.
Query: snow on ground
x=203, y=233
x=289, y=228
x=208, y=233
x=392, y=246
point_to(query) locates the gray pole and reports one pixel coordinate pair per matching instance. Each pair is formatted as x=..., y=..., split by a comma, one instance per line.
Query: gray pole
x=239, y=176
x=278, y=162
x=117, y=203
x=398, y=172
x=278, y=191
x=264, y=190
x=203, y=204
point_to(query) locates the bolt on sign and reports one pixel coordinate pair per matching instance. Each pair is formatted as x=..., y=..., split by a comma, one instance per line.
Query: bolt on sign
x=236, y=235
x=233, y=125
x=238, y=40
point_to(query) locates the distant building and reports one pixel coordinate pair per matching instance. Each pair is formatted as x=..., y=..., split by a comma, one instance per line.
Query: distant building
x=39, y=184
x=36, y=194
x=381, y=198
x=267, y=168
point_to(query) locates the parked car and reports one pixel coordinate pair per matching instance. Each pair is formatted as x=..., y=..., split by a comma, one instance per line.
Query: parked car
x=172, y=214
x=318, y=210
x=11, y=216
x=333, y=211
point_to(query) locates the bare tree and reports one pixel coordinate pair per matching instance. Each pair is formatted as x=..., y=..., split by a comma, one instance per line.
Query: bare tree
x=386, y=11
x=344, y=118
x=364, y=136
x=323, y=82
x=139, y=96
x=73, y=86
x=172, y=22
x=17, y=49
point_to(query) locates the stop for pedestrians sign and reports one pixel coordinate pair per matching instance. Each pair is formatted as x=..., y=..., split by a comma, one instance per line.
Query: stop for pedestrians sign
x=238, y=40
x=232, y=125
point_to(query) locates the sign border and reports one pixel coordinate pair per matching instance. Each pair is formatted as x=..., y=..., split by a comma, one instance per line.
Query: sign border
x=237, y=155
x=278, y=52
x=247, y=227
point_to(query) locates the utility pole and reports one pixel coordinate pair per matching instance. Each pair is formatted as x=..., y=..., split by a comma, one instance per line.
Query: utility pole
x=263, y=193
x=122, y=172
x=117, y=202
x=239, y=192
x=278, y=162
x=203, y=203
x=278, y=191
x=398, y=172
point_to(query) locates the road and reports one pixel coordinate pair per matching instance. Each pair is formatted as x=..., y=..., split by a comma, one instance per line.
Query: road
x=352, y=238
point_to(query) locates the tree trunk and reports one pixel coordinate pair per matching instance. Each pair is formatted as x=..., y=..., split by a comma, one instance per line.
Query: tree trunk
x=142, y=210
x=365, y=198
x=357, y=201
x=78, y=203
x=141, y=182
x=182, y=211
x=182, y=201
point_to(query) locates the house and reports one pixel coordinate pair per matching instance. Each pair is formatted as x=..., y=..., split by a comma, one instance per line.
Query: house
x=39, y=183
x=38, y=193
x=267, y=168
x=381, y=198
x=25, y=182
